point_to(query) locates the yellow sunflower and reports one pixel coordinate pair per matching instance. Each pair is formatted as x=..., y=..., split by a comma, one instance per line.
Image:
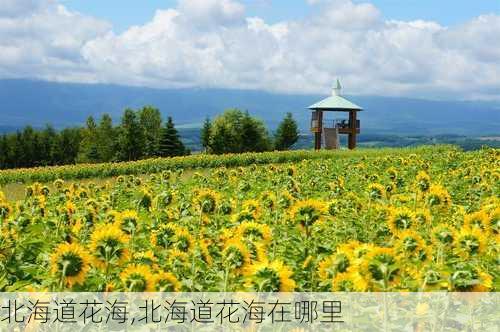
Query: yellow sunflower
x=265, y=276
x=255, y=232
x=252, y=206
x=349, y=281
x=166, y=282
x=438, y=196
x=5, y=210
x=128, y=221
x=469, y=241
x=443, y=235
x=268, y=200
x=108, y=244
x=305, y=213
x=235, y=255
x=376, y=191
x=411, y=245
x=164, y=235
x=72, y=262
x=182, y=240
x=207, y=201
x=479, y=219
x=380, y=266
x=495, y=220
x=423, y=182
x=137, y=278
x=330, y=266
x=400, y=219
x=422, y=217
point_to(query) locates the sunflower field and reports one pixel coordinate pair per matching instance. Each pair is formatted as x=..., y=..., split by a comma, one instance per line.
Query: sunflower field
x=426, y=219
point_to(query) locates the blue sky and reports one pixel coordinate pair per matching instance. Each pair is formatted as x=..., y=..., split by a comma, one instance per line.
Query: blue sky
x=124, y=13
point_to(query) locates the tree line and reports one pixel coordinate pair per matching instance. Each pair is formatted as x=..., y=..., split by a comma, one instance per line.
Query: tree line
x=236, y=131
x=141, y=134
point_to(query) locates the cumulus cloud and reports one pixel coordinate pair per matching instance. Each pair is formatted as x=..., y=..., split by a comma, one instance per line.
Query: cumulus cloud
x=212, y=43
x=42, y=39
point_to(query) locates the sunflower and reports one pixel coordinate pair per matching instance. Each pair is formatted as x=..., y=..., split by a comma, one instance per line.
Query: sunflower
x=400, y=219
x=128, y=221
x=467, y=278
x=182, y=240
x=72, y=262
x=380, y=265
x=268, y=200
x=349, y=281
x=252, y=206
x=137, y=278
x=332, y=265
x=376, y=191
x=204, y=245
x=235, y=255
x=5, y=210
x=265, y=276
x=285, y=199
x=438, y=196
x=255, y=232
x=307, y=212
x=166, y=282
x=162, y=200
x=479, y=219
x=58, y=184
x=422, y=217
x=470, y=241
x=495, y=220
x=109, y=244
x=423, y=181
x=432, y=279
x=164, y=235
x=443, y=234
x=242, y=217
x=411, y=245
x=177, y=257
x=207, y=200
x=146, y=199
x=392, y=173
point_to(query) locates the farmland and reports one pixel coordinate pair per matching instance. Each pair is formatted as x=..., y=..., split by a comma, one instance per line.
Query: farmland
x=420, y=219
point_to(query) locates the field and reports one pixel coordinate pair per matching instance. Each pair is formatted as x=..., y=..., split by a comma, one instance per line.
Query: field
x=420, y=219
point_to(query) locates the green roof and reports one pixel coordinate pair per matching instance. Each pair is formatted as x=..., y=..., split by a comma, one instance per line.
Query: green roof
x=335, y=103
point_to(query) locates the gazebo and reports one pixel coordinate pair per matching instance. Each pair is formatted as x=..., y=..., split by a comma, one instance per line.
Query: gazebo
x=331, y=128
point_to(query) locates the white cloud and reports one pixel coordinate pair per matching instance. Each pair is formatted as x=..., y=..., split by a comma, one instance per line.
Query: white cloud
x=211, y=43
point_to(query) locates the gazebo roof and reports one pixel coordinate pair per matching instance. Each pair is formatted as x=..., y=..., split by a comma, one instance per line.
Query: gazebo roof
x=335, y=102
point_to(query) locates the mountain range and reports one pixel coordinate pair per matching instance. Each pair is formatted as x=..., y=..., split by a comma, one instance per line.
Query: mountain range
x=37, y=103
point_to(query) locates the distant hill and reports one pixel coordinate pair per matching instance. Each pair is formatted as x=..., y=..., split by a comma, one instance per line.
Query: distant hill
x=37, y=103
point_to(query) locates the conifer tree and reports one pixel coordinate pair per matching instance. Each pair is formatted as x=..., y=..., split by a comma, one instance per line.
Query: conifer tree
x=205, y=134
x=150, y=119
x=130, y=138
x=287, y=133
x=170, y=144
x=106, y=137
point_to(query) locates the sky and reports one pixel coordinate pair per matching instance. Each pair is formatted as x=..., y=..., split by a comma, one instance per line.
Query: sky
x=446, y=49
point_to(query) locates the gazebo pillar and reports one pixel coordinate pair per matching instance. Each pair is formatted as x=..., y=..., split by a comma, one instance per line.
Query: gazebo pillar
x=353, y=130
x=319, y=132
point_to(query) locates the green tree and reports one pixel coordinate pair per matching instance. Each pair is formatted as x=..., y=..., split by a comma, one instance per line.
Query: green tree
x=131, y=137
x=88, y=146
x=205, y=134
x=150, y=119
x=287, y=133
x=171, y=144
x=235, y=131
x=106, y=139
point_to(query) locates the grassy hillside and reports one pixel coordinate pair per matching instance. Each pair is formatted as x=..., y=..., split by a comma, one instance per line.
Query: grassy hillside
x=377, y=220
